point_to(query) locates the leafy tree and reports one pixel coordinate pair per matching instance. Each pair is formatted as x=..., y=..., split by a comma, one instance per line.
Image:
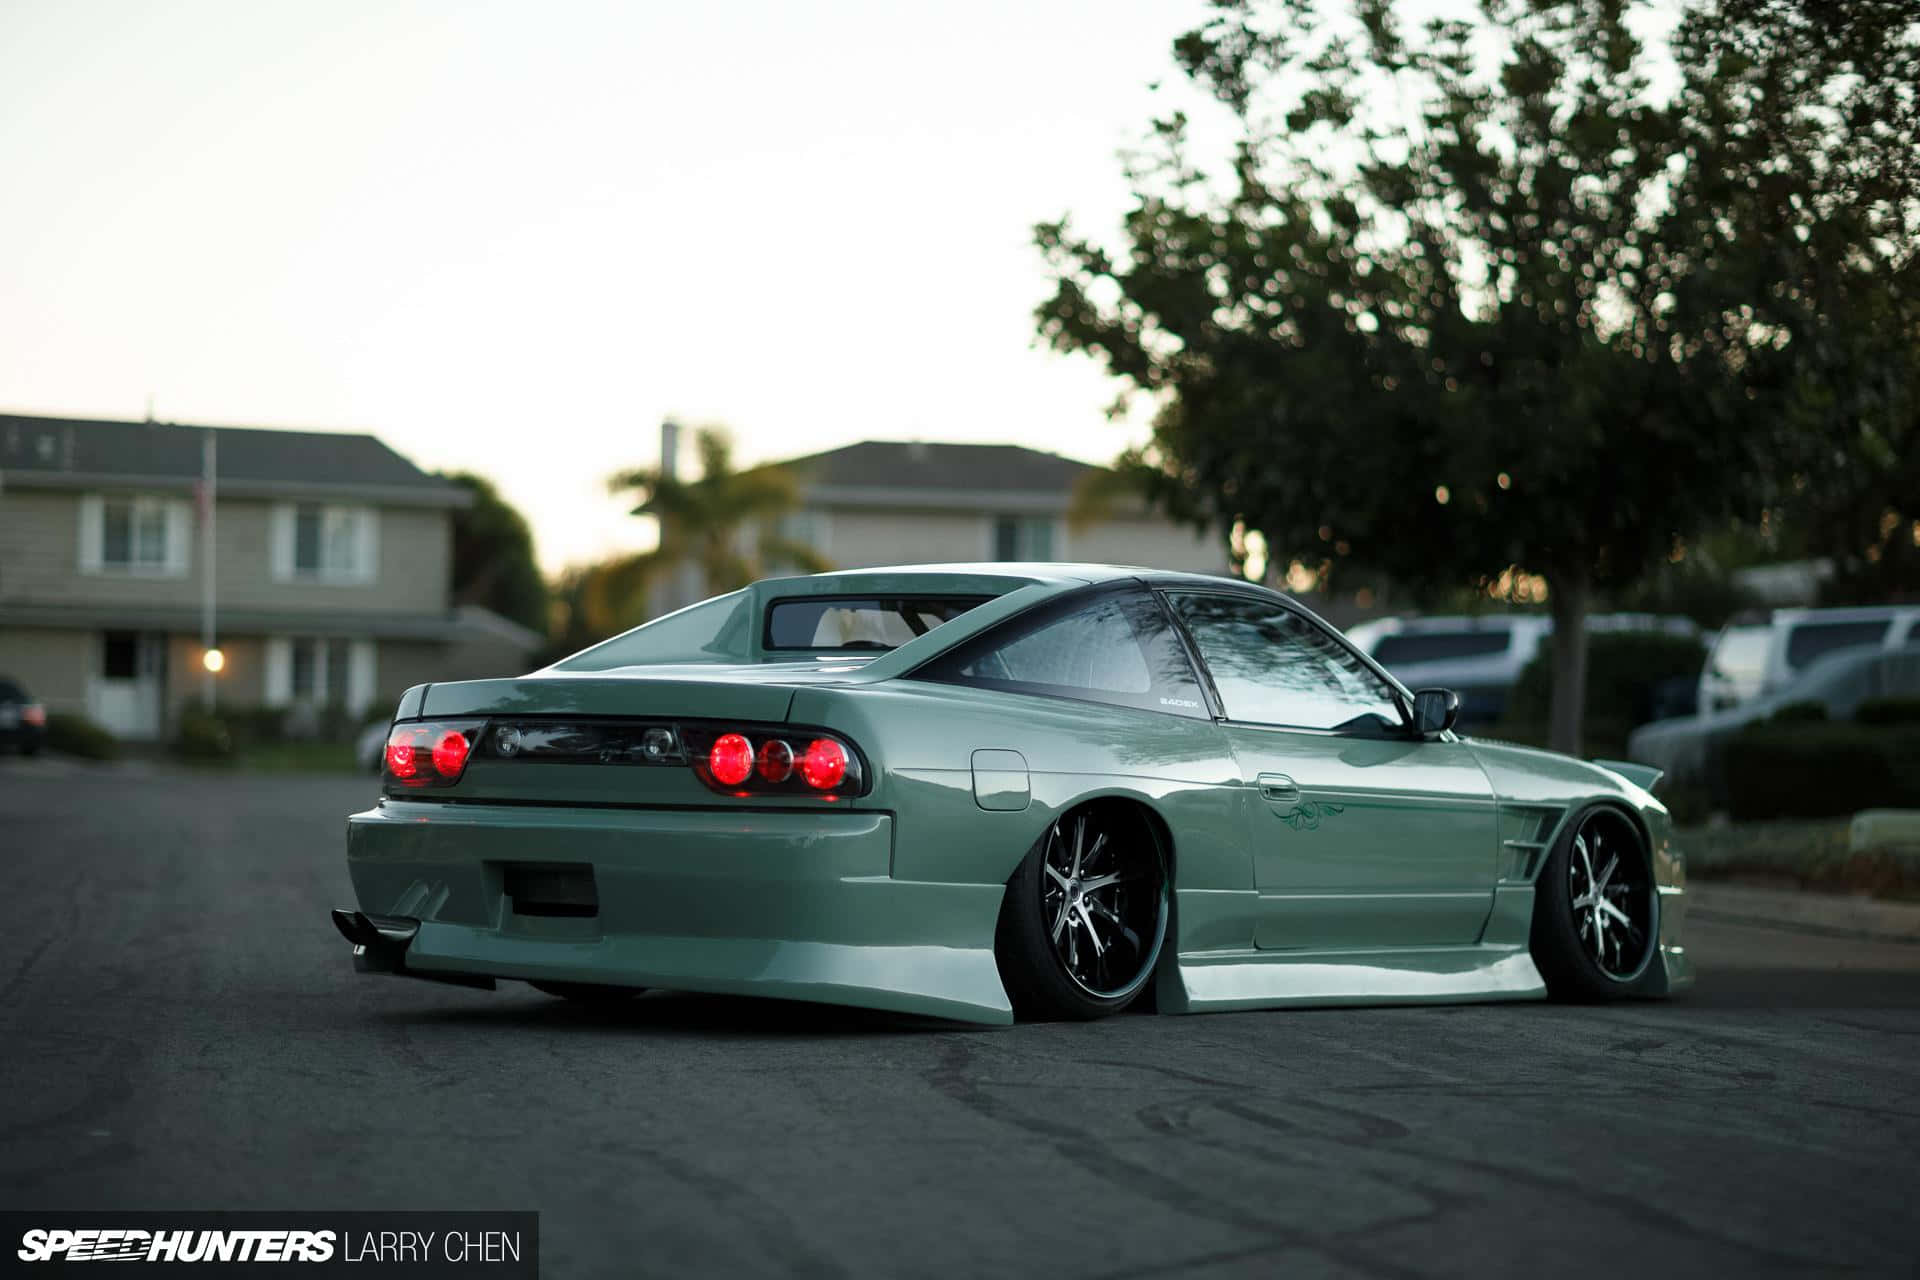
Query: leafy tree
x=1446, y=315
x=594, y=601
x=1815, y=197
x=493, y=560
x=721, y=528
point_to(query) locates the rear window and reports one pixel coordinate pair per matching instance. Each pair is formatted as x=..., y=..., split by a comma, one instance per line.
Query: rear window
x=859, y=622
x=1812, y=640
x=1406, y=647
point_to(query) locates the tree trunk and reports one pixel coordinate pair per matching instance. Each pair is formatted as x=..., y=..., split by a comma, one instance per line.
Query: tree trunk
x=1568, y=595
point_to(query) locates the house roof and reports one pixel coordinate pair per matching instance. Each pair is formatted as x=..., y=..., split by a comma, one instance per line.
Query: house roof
x=252, y=461
x=920, y=473
x=915, y=464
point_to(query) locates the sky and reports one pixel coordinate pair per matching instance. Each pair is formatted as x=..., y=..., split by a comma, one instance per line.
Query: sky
x=510, y=238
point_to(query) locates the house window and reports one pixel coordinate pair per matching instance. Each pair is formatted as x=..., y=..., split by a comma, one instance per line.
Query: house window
x=315, y=543
x=788, y=539
x=138, y=535
x=308, y=682
x=319, y=671
x=1023, y=538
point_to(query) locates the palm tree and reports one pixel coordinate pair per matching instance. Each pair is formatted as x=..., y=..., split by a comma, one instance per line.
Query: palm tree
x=721, y=528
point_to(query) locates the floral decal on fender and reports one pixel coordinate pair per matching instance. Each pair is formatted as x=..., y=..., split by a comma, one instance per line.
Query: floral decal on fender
x=1306, y=815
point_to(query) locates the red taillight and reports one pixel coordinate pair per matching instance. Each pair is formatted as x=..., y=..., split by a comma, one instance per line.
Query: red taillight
x=35, y=714
x=731, y=759
x=776, y=760
x=824, y=765
x=430, y=754
x=450, y=754
x=767, y=761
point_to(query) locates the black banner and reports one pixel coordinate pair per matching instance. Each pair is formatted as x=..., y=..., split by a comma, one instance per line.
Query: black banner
x=493, y=1246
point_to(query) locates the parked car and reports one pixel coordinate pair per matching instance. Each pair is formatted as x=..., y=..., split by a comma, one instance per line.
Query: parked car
x=23, y=722
x=1685, y=748
x=1481, y=657
x=369, y=749
x=976, y=790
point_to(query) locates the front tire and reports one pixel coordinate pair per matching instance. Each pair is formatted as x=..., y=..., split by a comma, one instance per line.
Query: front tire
x=1596, y=912
x=1085, y=914
x=586, y=992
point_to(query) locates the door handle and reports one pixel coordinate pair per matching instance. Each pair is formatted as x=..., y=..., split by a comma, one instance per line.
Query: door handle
x=1278, y=786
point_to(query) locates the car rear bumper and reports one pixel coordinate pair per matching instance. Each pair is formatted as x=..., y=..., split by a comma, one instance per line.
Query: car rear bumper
x=23, y=736
x=759, y=902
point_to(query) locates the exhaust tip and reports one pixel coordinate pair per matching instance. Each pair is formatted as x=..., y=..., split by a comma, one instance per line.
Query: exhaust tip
x=355, y=927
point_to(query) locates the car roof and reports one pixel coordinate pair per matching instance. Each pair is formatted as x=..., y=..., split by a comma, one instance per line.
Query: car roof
x=1855, y=613
x=1015, y=587
x=1465, y=622
x=967, y=577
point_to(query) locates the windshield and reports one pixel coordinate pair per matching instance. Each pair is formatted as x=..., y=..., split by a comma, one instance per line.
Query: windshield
x=859, y=622
x=712, y=631
x=1742, y=651
x=1405, y=647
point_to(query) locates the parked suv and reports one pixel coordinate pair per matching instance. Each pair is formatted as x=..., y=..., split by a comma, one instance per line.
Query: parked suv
x=1756, y=656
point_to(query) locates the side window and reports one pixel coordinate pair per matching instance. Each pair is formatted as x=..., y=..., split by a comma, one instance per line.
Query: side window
x=1812, y=640
x=1116, y=648
x=1273, y=666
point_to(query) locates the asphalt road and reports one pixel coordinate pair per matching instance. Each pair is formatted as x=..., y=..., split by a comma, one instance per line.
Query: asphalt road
x=180, y=1028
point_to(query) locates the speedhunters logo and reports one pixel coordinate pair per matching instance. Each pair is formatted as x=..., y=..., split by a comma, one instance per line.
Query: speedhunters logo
x=416, y=1244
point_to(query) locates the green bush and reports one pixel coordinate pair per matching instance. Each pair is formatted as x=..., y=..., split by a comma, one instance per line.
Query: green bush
x=1812, y=770
x=202, y=736
x=1630, y=675
x=250, y=725
x=1798, y=713
x=75, y=735
x=263, y=726
x=1888, y=711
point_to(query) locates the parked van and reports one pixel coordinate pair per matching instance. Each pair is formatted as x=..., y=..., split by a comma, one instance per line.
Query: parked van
x=1754, y=657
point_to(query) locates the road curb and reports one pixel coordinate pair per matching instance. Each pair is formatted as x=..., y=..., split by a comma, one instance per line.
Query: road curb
x=1831, y=914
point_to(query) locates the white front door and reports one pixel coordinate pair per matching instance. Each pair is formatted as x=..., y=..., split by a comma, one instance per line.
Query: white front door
x=126, y=693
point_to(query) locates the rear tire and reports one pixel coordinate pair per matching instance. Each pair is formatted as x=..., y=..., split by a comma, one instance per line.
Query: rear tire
x=1596, y=912
x=586, y=992
x=1085, y=914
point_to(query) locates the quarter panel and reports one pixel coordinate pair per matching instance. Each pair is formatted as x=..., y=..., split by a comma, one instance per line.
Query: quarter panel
x=921, y=738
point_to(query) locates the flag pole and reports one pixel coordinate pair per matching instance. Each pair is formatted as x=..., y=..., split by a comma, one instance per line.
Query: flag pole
x=208, y=663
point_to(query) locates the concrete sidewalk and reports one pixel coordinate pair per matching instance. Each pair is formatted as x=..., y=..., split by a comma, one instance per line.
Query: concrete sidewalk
x=1831, y=914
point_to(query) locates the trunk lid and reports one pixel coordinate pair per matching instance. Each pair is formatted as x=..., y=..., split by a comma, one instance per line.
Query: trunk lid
x=604, y=716
x=762, y=692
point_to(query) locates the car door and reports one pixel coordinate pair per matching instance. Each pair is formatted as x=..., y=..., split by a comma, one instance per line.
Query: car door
x=1363, y=834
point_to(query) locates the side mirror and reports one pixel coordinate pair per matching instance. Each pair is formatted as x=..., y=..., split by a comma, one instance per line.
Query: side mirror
x=1434, y=711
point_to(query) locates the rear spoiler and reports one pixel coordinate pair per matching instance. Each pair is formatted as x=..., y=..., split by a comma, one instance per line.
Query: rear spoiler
x=1643, y=776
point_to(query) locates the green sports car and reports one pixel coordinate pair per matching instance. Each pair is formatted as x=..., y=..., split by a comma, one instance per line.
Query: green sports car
x=976, y=791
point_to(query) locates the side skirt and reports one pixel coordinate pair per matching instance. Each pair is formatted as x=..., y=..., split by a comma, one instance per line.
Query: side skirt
x=1269, y=979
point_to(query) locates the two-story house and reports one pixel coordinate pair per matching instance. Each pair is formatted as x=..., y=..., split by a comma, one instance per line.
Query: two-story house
x=893, y=502
x=330, y=559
